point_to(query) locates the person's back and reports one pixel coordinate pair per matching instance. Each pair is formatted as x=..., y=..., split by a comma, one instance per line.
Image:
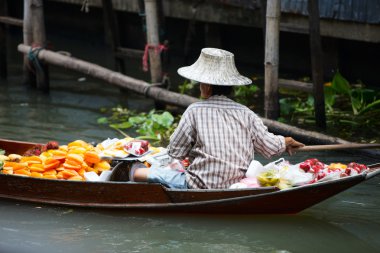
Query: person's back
x=224, y=136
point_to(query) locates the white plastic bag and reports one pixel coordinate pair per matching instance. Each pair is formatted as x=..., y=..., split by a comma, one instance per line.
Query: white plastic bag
x=91, y=176
x=255, y=168
x=331, y=176
x=295, y=175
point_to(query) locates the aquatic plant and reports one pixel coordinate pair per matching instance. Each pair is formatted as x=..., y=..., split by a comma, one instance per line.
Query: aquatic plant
x=349, y=108
x=242, y=94
x=245, y=94
x=156, y=126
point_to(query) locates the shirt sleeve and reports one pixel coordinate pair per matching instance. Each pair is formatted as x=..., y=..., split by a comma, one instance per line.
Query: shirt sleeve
x=183, y=138
x=266, y=143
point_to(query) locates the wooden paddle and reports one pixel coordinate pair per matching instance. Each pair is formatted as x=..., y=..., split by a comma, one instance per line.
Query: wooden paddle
x=337, y=147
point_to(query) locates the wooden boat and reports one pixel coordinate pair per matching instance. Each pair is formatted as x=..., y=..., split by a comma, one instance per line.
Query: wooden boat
x=145, y=196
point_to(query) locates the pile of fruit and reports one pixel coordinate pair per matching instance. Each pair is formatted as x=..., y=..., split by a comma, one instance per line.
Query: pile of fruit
x=321, y=170
x=68, y=162
x=284, y=175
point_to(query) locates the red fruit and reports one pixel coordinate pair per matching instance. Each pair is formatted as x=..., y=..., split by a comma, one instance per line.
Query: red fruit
x=139, y=151
x=347, y=171
x=362, y=167
x=352, y=164
x=320, y=164
x=185, y=162
x=343, y=174
x=305, y=166
x=313, y=181
x=357, y=169
x=317, y=168
x=52, y=145
x=144, y=144
x=312, y=161
x=321, y=175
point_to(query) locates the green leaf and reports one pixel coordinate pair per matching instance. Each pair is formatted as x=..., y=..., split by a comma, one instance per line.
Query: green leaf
x=136, y=120
x=286, y=106
x=102, y=120
x=2, y=151
x=329, y=97
x=165, y=119
x=340, y=84
x=371, y=106
x=123, y=125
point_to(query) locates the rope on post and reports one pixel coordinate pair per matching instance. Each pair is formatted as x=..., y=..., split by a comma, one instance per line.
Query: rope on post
x=158, y=49
x=33, y=58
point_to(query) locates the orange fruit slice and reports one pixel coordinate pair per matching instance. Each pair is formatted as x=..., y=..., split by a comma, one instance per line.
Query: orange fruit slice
x=74, y=159
x=102, y=166
x=36, y=174
x=49, y=176
x=31, y=159
x=91, y=157
x=76, y=178
x=37, y=168
x=22, y=172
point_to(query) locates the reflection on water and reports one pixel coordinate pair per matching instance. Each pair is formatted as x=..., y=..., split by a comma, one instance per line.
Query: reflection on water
x=70, y=111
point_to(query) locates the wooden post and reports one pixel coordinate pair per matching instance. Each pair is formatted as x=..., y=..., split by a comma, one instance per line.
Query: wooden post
x=112, y=33
x=272, y=34
x=3, y=41
x=153, y=40
x=39, y=38
x=29, y=76
x=316, y=63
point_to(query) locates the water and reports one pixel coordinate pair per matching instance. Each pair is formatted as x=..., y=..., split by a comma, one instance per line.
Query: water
x=347, y=222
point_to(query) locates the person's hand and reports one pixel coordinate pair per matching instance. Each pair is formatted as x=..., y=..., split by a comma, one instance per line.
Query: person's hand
x=292, y=145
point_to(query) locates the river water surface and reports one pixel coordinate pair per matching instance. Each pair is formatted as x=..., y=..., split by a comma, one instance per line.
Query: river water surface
x=347, y=222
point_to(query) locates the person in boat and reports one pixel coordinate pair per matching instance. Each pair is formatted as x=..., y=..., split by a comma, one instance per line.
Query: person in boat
x=219, y=136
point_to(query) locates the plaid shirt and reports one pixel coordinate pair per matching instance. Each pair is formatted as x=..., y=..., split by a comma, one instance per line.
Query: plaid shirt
x=220, y=137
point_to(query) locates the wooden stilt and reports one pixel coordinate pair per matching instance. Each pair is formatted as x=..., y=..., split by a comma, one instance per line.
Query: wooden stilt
x=3, y=42
x=316, y=63
x=39, y=39
x=29, y=75
x=271, y=104
x=153, y=40
x=112, y=36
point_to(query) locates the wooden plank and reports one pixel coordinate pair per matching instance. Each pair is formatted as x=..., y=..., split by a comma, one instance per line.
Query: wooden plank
x=11, y=21
x=296, y=85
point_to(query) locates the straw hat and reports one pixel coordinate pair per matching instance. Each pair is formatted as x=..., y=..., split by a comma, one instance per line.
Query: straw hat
x=214, y=66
